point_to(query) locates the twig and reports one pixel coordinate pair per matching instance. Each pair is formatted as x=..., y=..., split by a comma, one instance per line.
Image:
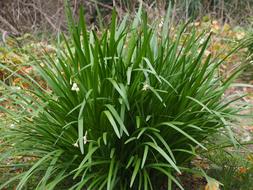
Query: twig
x=44, y=14
x=101, y=4
x=9, y=25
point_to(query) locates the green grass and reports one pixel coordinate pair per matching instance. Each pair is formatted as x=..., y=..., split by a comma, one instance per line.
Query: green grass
x=126, y=107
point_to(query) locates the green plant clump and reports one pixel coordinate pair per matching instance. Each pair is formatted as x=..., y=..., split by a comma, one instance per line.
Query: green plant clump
x=125, y=109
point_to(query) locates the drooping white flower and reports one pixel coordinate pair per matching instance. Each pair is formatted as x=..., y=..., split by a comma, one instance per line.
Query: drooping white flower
x=161, y=24
x=85, y=140
x=75, y=144
x=75, y=87
x=202, y=41
x=12, y=126
x=145, y=86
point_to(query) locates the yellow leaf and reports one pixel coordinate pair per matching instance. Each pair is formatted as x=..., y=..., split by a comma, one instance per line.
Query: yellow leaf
x=226, y=27
x=212, y=185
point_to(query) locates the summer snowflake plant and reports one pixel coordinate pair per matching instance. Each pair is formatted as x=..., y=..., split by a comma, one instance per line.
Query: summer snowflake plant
x=138, y=105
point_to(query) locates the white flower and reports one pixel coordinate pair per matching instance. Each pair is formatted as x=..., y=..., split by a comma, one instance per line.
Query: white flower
x=202, y=41
x=12, y=126
x=75, y=87
x=85, y=138
x=75, y=144
x=161, y=24
x=145, y=86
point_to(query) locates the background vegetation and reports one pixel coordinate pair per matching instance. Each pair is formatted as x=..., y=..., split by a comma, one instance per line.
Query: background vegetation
x=39, y=16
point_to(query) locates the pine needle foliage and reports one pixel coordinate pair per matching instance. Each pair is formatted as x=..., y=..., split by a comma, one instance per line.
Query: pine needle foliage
x=126, y=107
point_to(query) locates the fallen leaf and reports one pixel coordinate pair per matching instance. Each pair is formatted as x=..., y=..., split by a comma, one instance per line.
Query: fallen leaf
x=242, y=170
x=212, y=185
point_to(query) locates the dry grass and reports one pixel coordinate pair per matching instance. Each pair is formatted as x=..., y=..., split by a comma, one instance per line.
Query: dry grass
x=39, y=16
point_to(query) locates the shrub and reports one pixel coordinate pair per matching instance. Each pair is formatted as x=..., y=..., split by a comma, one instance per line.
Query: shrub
x=126, y=107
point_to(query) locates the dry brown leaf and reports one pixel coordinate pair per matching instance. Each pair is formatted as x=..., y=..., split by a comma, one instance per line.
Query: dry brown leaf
x=212, y=185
